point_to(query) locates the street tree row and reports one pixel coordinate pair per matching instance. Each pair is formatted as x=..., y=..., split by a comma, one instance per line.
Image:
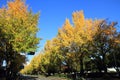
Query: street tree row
x=84, y=45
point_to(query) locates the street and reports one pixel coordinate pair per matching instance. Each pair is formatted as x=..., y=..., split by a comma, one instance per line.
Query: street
x=40, y=78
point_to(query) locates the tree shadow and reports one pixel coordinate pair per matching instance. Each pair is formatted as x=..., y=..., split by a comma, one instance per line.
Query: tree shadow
x=28, y=78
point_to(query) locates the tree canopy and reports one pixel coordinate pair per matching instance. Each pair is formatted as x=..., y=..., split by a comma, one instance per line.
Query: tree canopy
x=86, y=44
x=18, y=29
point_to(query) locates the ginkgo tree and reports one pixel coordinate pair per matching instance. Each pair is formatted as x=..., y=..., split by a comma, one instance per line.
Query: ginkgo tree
x=34, y=66
x=52, y=58
x=18, y=27
x=85, y=44
x=65, y=38
x=71, y=44
x=75, y=38
x=48, y=61
x=105, y=46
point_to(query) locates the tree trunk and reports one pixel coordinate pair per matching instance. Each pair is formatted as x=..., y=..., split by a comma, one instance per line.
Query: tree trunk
x=8, y=71
x=81, y=66
x=104, y=64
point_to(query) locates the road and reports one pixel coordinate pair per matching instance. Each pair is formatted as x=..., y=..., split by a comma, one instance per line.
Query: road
x=58, y=78
x=40, y=78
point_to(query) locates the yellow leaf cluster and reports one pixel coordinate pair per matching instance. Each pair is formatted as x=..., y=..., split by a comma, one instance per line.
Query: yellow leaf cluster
x=80, y=32
x=17, y=8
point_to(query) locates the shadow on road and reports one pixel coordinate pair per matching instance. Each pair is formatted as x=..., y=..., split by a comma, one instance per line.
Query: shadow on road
x=28, y=78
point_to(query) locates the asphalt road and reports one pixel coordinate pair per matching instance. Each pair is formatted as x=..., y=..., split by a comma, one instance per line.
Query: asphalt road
x=57, y=78
x=40, y=78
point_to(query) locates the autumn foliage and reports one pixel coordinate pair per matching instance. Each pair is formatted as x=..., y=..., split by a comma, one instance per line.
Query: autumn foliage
x=83, y=45
x=80, y=46
x=18, y=28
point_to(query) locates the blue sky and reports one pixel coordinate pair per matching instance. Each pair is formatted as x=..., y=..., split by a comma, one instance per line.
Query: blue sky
x=54, y=12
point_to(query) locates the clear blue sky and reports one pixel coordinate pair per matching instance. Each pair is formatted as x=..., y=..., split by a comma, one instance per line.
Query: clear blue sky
x=54, y=12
